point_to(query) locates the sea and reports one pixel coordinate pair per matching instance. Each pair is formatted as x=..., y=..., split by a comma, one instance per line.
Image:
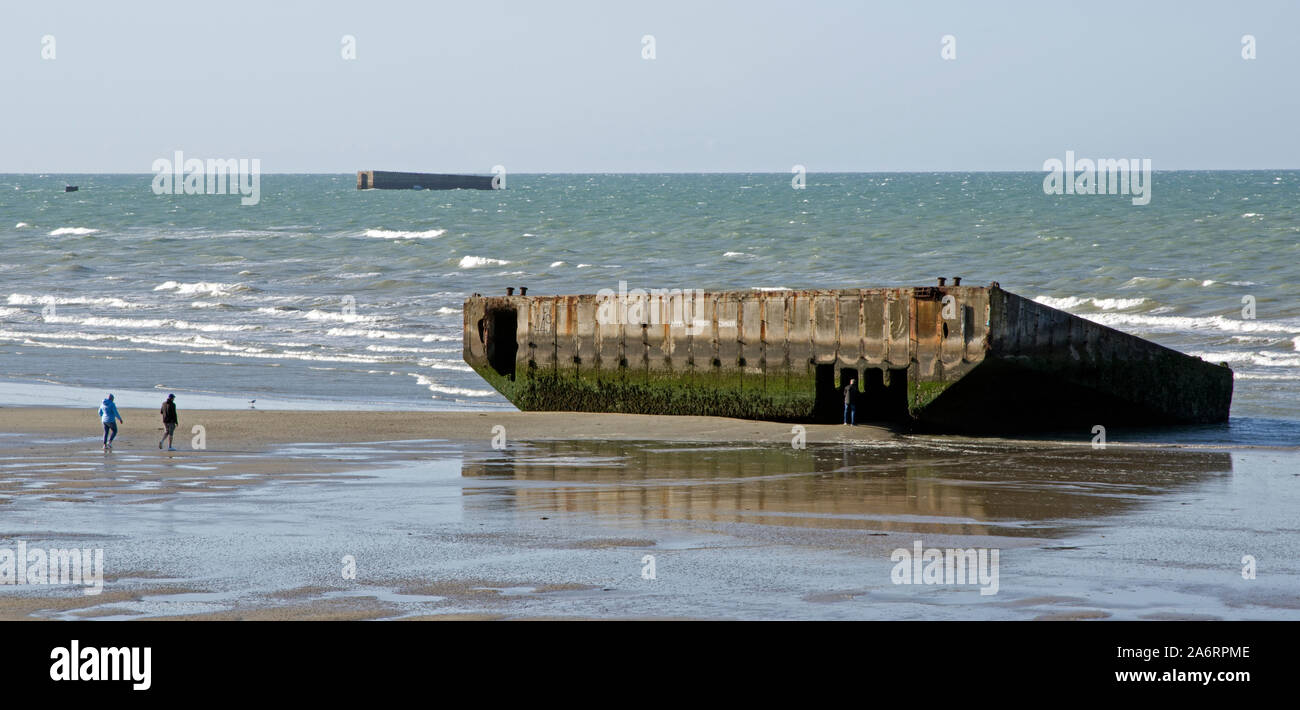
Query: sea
x=322, y=296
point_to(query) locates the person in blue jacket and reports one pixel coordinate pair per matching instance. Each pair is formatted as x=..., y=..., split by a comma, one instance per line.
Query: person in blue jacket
x=109, y=415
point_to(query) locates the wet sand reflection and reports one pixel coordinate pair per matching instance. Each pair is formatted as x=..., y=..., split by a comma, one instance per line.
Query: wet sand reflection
x=961, y=488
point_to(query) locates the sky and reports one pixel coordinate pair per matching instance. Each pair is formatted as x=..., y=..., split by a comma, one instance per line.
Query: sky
x=565, y=86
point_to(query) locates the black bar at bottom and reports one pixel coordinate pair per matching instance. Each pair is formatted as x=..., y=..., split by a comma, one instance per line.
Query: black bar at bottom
x=212, y=660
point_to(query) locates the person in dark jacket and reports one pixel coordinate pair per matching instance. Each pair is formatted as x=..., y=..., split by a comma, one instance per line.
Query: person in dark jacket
x=168, y=412
x=850, y=402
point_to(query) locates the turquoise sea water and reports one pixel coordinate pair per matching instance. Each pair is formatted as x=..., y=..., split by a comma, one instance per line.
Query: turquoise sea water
x=324, y=293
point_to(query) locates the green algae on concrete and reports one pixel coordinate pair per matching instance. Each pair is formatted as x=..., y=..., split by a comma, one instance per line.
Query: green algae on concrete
x=921, y=394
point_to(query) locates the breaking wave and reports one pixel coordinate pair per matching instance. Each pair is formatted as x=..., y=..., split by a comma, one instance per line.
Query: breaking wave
x=397, y=234
x=105, y=322
x=72, y=230
x=202, y=287
x=1192, y=323
x=473, y=262
x=319, y=315
x=27, y=299
x=378, y=333
x=1105, y=304
x=1262, y=358
x=445, y=389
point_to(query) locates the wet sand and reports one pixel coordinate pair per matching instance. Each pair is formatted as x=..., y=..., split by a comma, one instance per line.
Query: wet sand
x=258, y=430
x=558, y=523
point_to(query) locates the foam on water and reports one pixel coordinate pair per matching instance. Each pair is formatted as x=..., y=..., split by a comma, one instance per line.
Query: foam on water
x=1221, y=324
x=63, y=395
x=1269, y=376
x=79, y=231
x=1105, y=304
x=445, y=389
x=1262, y=358
x=27, y=299
x=473, y=262
x=371, y=333
x=398, y=234
x=455, y=365
x=149, y=323
x=202, y=287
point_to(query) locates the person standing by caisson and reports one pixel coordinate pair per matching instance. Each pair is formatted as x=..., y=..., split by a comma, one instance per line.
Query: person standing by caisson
x=168, y=412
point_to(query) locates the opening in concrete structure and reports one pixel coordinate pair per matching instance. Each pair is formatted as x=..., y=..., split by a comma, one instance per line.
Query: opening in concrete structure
x=873, y=389
x=502, y=347
x=828, y=405
x=884, y=395
x=847, y=374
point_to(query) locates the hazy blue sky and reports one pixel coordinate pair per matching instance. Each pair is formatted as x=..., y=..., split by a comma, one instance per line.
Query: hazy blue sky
x=562, y=86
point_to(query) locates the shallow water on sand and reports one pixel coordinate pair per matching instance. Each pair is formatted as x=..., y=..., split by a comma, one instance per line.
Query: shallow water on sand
x=735, y=531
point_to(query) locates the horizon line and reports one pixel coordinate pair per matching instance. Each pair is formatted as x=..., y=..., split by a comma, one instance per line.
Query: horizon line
x=695, y=172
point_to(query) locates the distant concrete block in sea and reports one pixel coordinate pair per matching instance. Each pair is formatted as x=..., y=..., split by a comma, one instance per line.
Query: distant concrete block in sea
x=385, y=180
x=944, y=358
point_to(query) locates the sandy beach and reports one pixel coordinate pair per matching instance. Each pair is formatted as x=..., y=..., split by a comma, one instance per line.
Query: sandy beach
x=624, y=516
x=256, y=430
